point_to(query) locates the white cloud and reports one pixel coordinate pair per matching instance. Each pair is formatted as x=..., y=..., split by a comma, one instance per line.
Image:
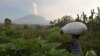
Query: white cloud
x=53, y=9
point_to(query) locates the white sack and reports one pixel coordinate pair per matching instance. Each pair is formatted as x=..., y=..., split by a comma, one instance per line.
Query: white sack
x=75, y=28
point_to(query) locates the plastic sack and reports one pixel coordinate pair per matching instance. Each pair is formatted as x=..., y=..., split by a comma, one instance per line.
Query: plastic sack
x=76, y=28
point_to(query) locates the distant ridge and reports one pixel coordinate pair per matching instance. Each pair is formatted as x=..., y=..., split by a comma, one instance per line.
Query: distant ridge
x=32, y=19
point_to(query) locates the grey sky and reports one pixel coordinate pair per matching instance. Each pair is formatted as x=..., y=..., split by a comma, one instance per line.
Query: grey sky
x=54, y=9
x=50, y=9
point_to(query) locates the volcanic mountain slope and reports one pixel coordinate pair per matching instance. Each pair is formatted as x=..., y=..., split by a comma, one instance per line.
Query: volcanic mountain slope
x=32, y=19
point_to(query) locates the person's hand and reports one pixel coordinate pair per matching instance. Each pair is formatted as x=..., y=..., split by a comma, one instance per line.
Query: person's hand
x=61, y=32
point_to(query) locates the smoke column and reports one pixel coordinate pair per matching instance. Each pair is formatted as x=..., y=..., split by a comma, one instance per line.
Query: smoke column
x=34, y=8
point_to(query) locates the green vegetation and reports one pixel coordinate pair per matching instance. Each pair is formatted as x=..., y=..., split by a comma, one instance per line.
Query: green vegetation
x=45, y=41
x=20, y=42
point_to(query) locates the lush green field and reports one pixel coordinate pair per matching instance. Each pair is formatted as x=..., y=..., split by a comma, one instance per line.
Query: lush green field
x=22, y=40
x=25, y=41
x=30, y=42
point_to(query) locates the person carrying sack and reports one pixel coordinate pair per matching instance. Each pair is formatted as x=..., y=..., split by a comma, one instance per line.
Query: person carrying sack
x=75, y=29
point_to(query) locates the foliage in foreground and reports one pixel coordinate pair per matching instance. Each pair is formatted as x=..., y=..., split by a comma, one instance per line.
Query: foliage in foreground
x=13, y=43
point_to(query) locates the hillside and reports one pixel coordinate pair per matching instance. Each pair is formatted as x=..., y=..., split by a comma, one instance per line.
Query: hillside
x=32, y=19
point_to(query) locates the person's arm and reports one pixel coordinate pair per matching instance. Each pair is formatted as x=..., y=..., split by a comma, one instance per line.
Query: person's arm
x=62, y=37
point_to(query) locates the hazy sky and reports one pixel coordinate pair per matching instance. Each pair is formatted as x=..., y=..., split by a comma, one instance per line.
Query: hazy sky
x=50, y=9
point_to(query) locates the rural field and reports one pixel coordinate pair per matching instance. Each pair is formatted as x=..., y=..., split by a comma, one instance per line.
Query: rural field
x=36, y=40
x=36, y=27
